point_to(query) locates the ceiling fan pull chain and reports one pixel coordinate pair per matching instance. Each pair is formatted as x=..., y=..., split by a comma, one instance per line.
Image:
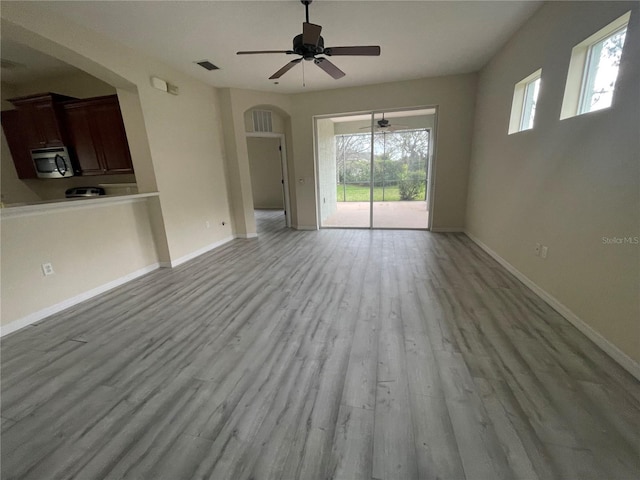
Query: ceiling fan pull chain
x=303, y=81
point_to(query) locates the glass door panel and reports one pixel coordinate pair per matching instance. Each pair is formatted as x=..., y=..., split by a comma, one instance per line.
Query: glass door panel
x=401, y=158
x=344, y=171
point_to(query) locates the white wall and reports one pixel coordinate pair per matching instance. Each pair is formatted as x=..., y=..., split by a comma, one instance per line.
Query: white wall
x=186, y=145
x=235, y=103
x=455, y=98
x=88, y=248
x=326, y=139
x=565, y=184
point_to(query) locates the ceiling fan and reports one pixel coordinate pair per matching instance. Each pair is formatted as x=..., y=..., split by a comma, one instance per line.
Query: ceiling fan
x=384, y=126
x=309, y=44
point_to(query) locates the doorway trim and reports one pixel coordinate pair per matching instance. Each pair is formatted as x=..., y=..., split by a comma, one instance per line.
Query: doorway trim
x=284, y=169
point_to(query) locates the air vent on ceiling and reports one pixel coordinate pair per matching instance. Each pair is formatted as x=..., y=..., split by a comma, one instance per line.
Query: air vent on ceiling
x=262, y=121
x=208, y=65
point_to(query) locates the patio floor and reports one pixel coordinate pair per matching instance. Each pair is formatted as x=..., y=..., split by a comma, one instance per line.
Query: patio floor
x=410, y=215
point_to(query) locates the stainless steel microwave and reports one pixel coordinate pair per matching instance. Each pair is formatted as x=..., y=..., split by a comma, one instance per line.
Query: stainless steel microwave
x=52, y=162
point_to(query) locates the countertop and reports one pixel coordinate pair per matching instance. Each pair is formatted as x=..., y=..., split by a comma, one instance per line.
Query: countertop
x=38, y=208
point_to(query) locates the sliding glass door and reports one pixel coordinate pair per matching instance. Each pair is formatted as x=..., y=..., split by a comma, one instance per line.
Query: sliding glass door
x=401, y=159
x=373, y=169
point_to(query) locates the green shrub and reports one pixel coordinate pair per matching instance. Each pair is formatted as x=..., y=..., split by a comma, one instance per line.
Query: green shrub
x=411, y=184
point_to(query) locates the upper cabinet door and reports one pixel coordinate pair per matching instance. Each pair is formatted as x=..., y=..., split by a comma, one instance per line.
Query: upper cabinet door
x=92, y=129
x=108, y=125
x=48, y=124
x=41, y=117
x=18, y=144
x=81, y=139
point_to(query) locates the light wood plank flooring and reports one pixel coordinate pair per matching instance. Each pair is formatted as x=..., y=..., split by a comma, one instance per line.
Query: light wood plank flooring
x=338, y=354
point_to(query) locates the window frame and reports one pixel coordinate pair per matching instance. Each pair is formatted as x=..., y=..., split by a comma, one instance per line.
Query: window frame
x=519, y=107
x=530, y=103
x=575, y=86
x=590, y=71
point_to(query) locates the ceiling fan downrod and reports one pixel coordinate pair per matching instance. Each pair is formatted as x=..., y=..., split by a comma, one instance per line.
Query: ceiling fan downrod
x=306, y=8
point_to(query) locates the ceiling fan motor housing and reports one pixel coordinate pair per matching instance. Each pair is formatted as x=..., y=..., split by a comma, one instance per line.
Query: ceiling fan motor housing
x=307, y=51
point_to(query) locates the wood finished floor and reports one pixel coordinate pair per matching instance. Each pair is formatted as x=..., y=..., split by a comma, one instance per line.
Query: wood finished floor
x=337, y=354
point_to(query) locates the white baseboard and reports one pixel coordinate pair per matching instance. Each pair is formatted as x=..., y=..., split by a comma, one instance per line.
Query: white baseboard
x=447, y=229
x=305, y=227
x=609, y=348
x=246, y=235
x=58, y=307
x=197, y=253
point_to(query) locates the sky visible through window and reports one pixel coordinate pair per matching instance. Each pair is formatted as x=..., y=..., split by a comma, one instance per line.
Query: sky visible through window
x=602, y=71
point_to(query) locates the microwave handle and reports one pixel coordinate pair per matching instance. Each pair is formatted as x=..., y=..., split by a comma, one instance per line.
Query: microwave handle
x=62, y=171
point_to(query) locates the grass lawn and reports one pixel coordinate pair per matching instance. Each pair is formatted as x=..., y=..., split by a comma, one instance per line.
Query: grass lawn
x=360, y=193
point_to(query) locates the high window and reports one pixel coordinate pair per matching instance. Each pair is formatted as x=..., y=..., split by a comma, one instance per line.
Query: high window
x=523, y=108
x=593, y=70
x=601, y=71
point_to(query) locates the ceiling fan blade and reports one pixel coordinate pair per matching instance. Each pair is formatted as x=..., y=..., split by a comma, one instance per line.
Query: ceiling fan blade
x=370, y=50
x=329, y=67
x=285, y=69
x=396, y=128
x=389, y=128
x=253, y=52
x=311, y=33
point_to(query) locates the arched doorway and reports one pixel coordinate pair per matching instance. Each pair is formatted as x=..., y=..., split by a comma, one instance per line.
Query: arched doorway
x=265, y=128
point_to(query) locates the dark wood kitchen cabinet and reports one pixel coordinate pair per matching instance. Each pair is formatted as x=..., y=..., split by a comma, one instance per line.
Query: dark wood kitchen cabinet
x=97, y=136
x=18, y=144
x=41, y=118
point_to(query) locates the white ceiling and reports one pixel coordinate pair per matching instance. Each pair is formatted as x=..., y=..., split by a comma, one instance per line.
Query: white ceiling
x=418, y=38
x=26, y=64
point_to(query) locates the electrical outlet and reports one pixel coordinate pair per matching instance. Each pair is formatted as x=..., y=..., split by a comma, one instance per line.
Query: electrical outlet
x=47, y=269
x=537, y=249
x=544, y=251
